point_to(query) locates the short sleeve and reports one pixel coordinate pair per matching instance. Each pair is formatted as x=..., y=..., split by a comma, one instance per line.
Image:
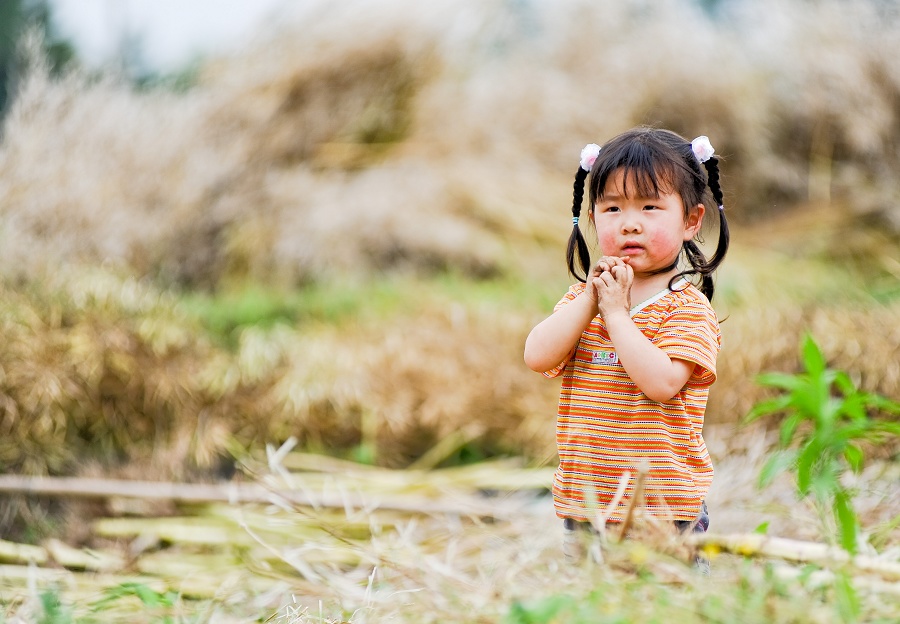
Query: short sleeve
x=574, y=291
x=691, y=332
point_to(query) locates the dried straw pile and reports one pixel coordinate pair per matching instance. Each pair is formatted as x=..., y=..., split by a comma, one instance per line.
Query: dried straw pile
x=411, y=140
x=442, y=136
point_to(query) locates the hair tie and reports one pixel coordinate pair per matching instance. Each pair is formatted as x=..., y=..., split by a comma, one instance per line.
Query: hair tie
x=702, y=148
x=589, y=155
x=574, y=220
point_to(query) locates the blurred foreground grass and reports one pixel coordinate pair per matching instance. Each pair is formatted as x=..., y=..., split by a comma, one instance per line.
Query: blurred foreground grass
x=378, y=545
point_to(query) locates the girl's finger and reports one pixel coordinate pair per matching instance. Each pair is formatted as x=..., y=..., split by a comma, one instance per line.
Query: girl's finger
x=606, y=263
x=607, y=278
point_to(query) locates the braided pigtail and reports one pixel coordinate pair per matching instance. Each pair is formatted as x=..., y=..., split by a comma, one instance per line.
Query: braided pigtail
x=699, y=264
x=712, y=169
x=577, y=245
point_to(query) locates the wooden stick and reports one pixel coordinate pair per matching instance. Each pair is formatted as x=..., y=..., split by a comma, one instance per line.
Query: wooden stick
x=825, y=578
x=602, y=517
x=642, y=470
x=10, y=552
x=235, y=493
x=755, y=545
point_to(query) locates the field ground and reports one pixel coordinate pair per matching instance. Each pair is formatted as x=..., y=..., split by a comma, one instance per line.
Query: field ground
x=342, y=236
x=447, y=545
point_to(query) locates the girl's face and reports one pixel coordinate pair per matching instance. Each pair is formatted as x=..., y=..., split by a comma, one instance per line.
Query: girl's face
x=648, y=230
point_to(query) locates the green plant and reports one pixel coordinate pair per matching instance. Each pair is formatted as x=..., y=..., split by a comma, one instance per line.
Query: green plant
x=148, y=597
x=827, y=420
x=53, y=611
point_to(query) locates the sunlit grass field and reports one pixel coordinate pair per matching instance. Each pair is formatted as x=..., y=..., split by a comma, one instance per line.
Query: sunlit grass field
x=416, y=375
x=311, y=272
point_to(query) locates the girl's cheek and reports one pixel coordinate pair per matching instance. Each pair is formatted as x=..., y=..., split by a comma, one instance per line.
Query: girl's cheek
x=664, y=242
x=606, y=241
x=658, y=238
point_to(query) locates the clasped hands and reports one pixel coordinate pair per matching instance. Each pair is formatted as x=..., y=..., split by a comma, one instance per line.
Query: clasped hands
x=609, y=285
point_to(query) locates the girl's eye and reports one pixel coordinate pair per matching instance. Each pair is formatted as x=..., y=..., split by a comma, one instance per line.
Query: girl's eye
x=648, y=207
x=612, y=209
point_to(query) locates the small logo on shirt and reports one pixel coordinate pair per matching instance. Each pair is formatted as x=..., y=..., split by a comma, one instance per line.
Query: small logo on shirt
x=604, y=357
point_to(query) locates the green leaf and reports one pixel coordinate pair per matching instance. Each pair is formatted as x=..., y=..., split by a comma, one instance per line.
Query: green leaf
x=53, y=610
x=846, y=519
x=780, y=380
x=777, y=463
x=830, y=408
x=543, y=610
x=805, y=463
x=854, y=456
x=808, y=400
x=890, y=428
x=788, y=427
x=848, y=602
x=813, y=359
x=807, y=571
x=855, y=431
x=824, y=481
x=845, y=384
x=854, y=405
x=770, y=406
x=147, y=595
x=883, y=403
x=763, y=528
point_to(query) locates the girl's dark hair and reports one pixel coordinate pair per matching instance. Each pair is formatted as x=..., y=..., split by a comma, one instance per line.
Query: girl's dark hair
x=653, y=160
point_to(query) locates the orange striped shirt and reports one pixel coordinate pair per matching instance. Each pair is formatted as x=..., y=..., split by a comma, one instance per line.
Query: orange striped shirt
x=607, y=426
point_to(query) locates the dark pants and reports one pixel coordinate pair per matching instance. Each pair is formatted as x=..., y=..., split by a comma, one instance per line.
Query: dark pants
x=577, y=543
x=699, y=525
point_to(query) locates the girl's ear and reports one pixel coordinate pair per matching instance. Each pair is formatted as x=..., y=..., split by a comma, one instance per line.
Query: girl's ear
x=694, y=221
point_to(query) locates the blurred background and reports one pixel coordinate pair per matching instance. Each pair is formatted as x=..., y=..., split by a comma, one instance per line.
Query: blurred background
x=223, y=224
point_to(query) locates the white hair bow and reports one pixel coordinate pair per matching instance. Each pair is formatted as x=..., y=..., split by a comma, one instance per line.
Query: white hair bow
x=703, y=150
x=589, y=155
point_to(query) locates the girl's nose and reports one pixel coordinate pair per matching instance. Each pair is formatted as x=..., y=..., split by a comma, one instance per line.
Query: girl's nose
x=631, y=223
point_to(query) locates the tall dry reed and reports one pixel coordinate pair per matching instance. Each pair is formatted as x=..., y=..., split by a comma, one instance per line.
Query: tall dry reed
x=367, y=140
x=378, y=136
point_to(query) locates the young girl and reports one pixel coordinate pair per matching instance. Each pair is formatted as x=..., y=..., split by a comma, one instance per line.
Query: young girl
x=635, y=339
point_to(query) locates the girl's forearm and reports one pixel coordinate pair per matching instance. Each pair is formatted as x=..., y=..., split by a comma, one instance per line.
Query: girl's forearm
x=650, y=368
x=551, y=341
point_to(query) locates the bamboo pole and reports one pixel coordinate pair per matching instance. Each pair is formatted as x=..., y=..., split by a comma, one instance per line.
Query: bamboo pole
x=755, y=545
x=10, y=552
x=83, y=559
x=825, y=578
x=235, y=493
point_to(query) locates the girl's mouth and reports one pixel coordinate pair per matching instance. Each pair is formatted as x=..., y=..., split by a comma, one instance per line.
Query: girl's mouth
x=631, y=248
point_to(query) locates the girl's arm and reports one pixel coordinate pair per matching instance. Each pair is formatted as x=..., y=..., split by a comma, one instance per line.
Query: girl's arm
x=650, y=368
x=552, y=340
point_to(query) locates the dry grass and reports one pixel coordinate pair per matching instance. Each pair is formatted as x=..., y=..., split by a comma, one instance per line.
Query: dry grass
x=108, y=368
x=442, y=137
x=422, y=142
x=101, y=366
x=369, y=563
